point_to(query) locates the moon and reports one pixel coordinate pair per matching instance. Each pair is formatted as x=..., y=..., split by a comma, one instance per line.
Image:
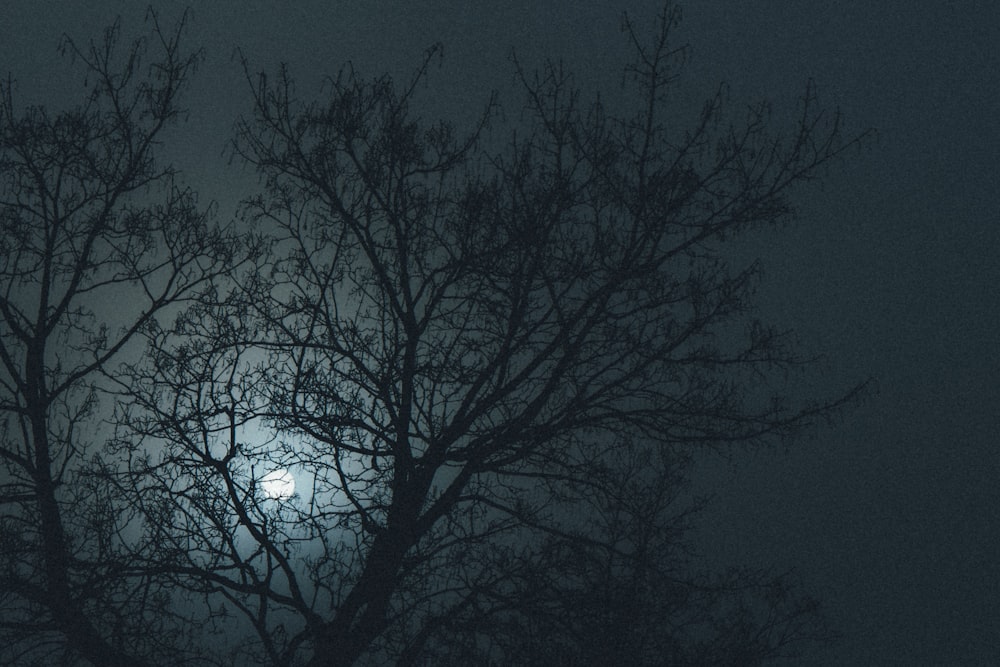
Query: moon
x=278, y=484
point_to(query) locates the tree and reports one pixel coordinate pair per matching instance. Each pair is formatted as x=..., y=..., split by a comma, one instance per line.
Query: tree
x=485, y=362
x=97, y=240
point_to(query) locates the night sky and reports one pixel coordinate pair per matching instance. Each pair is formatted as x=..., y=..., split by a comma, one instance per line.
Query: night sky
x=891, y=515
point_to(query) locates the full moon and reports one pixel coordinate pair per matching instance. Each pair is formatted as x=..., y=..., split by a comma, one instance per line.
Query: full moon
x=278, y=484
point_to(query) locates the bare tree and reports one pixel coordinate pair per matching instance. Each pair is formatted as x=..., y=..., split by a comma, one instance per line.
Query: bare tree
x=484, y=362
x=97, y=241
x=452, y=346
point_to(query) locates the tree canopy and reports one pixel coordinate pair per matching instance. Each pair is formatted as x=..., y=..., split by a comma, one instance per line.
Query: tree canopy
x=485, y=357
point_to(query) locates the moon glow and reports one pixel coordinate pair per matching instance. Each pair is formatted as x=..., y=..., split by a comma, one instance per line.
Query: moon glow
x=278, y=484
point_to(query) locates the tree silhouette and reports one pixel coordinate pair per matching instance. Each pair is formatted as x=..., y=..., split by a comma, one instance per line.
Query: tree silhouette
x=486, y=363
x=96, y=240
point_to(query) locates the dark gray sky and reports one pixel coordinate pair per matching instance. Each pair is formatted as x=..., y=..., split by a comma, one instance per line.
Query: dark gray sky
x=891, y=517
